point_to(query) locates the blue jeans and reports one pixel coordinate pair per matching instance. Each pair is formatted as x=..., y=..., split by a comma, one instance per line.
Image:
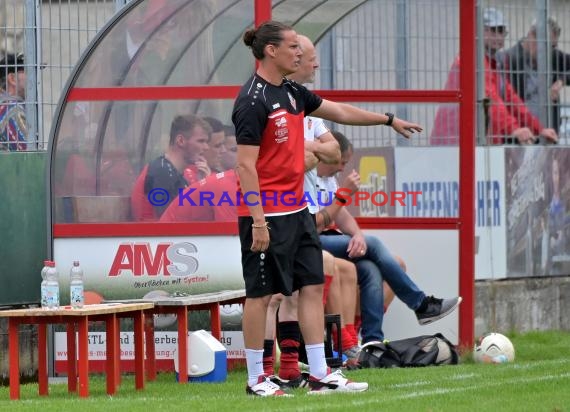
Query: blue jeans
x=376, y=265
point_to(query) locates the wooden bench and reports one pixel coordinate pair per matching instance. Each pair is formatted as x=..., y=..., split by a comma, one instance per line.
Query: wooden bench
x=77, y=322
x=180, y=306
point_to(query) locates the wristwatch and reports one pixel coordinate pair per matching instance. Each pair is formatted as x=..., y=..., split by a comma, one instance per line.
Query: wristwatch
x=341, y=200
x=390, y=118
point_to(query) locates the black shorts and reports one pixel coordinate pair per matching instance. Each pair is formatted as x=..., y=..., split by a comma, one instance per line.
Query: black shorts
x=294, y=258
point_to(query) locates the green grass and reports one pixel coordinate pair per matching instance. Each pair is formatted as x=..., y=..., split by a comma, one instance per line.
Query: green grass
x=538, y=380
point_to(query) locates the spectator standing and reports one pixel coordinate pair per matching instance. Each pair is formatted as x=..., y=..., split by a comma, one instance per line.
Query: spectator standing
x=507, y=116
x=13, y=126
x=522, y=67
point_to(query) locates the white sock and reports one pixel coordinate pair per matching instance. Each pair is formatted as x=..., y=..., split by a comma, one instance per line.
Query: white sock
x=317, y=363
x=254, y=360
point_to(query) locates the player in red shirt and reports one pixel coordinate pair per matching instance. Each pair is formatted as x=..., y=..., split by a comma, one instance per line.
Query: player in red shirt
x=280, y=247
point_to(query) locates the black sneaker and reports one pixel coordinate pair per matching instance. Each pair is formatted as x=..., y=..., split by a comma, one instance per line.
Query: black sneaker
x=300, y=381
x=433, y=309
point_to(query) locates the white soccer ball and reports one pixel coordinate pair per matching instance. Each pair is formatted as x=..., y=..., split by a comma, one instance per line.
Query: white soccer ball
x=493, y=348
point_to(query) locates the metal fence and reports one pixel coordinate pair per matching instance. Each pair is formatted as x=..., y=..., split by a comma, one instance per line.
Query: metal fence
x=51, y=35
x=534, y=60
x=414, y=49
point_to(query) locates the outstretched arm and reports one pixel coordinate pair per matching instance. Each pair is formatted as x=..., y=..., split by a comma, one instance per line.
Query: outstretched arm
x=347, y=114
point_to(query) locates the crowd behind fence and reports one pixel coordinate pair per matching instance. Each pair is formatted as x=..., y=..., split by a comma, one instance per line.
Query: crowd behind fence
x=414, y=47
x=51, y=35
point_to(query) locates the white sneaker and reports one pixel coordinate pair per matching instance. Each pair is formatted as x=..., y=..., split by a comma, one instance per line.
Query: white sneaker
x=335, y=382
x=264, y=387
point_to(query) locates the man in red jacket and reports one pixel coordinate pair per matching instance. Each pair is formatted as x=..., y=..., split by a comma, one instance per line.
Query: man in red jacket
x=507, y=116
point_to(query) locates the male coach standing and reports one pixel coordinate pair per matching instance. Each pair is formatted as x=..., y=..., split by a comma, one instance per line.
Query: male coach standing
x=279, y=243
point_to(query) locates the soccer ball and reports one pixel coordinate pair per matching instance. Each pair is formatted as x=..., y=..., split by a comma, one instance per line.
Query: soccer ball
x=493, y=348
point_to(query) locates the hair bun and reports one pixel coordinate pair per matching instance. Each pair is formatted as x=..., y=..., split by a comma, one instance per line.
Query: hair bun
x=249, y=37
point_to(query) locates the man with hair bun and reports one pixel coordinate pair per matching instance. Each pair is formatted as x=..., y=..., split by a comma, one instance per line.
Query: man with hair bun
x=280, y=248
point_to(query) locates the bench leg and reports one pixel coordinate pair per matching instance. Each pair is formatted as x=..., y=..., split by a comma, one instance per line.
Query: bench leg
x=42, y=360
x=118, y=376
x=182, y=316
x=215, y=321
x=83, y=364
x=139, y=348
x=71, y=358
x=14, y=356
x=111, y=348
x=149, y=345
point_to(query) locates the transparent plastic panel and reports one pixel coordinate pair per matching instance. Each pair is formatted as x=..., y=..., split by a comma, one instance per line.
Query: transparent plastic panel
x=439, y=122
x=103, y=149
x=380, y=44
x=179, y=42
x=402, y=177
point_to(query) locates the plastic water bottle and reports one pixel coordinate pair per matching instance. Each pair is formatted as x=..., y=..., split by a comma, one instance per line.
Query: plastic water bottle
x=52, y=287
x=76, y=295
x=43, y=292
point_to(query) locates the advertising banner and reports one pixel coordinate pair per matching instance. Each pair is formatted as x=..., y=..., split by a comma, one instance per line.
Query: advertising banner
x=433, y=268
x=131, y=268
x=433, y=174
x=166, y=344
x=538, y=182
x=490, y=213
x=376, y=170
x=427, y=181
